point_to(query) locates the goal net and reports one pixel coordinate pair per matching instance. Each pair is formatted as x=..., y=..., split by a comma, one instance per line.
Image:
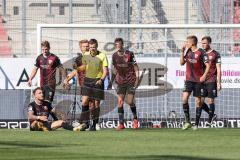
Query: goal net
x=157, y=50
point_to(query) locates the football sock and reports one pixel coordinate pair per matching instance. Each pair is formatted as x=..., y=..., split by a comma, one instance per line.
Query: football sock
x=134, y=111
x=186, y=112
x=205, y=107
x=198, y=115
x=121, y=114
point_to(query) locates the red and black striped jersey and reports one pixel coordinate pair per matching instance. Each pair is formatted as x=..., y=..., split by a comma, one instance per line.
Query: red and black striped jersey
x=214, y=58
x=124, y=65
x=42, y=110
x=195, y=64
x=78, y=63
x=48, y=67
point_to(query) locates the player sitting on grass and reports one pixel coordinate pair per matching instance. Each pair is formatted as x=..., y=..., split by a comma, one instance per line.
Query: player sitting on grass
x=38, y=113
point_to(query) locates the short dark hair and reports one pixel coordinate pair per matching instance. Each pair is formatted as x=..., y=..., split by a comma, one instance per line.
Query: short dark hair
x=118, y=40
x=93, y=41
x=35, y=90
x=194, y=38
x=45, y=44
x=208, y=38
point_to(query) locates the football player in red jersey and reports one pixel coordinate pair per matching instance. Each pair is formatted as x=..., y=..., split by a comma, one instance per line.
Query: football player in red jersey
x=39, y=111
x=47, y=63
x=197, y=67
x=213, y=79
x=126, y=75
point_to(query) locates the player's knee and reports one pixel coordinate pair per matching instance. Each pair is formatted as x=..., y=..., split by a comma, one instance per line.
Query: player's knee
x=130, y=103
x=120, y=103
x=198, y=102
x=184, y=100
x=34, y=124
x=210, y=100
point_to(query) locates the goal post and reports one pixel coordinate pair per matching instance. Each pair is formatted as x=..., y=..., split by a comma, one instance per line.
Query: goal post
x=157, y=50
x=131, y=26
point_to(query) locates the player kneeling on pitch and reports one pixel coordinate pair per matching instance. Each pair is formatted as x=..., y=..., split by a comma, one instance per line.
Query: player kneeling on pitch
x=126, y=75
x=38, y=113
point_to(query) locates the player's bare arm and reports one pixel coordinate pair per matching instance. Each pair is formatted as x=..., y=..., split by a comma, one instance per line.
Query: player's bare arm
x=33, y=117
x=105, y=71
x=70, y=76
x=63, y=71
x=136, y=69
x=219, y=78
x=113, y=76
x=81, y=68
x=203, y=77
x=33, y=74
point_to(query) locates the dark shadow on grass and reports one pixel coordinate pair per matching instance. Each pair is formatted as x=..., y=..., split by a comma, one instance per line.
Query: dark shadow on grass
x=160, y=157
x=26, y=145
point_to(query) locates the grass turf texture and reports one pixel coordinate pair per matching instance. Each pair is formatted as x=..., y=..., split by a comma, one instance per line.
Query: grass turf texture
x=167, y=144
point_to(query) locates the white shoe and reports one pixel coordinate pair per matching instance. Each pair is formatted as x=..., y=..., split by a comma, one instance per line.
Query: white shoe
x=80, y=127
x=194, y=127
x=186, y=126
x=75, y=124
x=98, y=127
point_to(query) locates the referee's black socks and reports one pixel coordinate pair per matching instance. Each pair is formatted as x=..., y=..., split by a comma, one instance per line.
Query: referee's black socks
x=85, y=114
x=186, y=112
x=96, y=114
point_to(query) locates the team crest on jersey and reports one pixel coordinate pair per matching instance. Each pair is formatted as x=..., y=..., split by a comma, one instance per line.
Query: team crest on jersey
x=210, y=57
x=196, y=55
x=50, y=61
x=45, y=108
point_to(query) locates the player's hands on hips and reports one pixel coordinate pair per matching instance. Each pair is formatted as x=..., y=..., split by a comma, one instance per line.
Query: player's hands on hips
x=202, y=78
x=219, y=86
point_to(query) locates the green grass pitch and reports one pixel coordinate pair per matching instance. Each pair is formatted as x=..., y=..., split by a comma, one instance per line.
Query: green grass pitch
x=141, y=144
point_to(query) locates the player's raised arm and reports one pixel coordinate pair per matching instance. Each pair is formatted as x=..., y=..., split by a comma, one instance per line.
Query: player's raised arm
x=182, y=56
